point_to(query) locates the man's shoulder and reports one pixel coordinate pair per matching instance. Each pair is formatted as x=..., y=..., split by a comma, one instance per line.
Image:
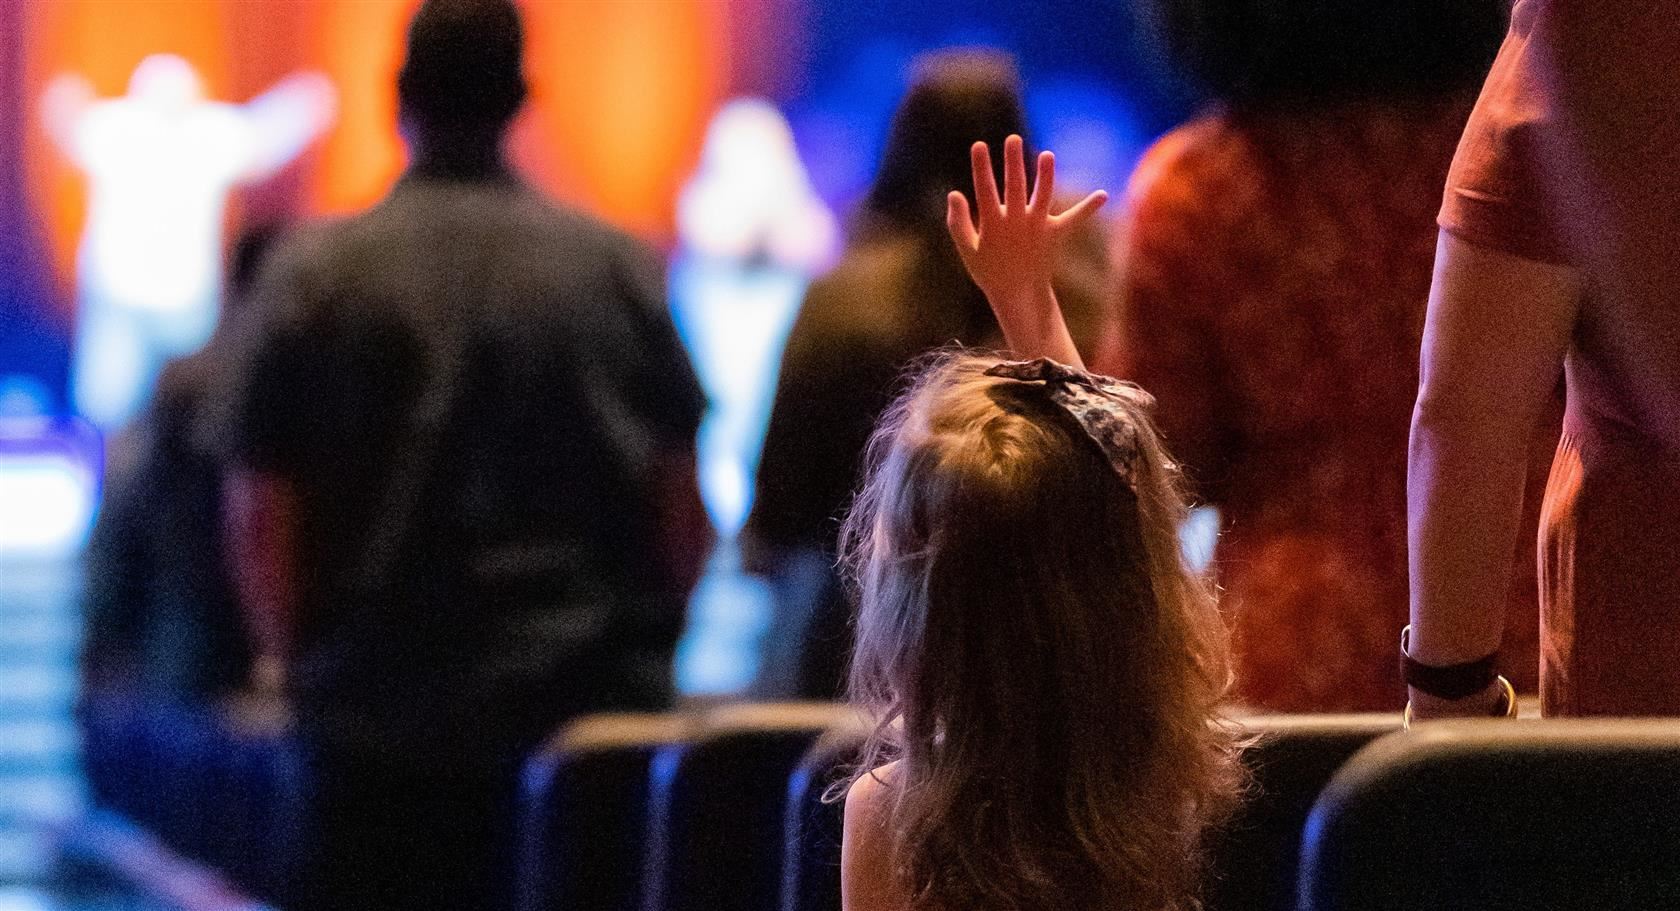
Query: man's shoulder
x=864, y=299
x=571, y=226
x=505, y=204
x=421, y=236
x=312, y=244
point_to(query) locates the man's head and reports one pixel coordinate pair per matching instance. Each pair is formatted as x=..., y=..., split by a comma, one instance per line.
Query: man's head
x=166, y=81
x=463, y=75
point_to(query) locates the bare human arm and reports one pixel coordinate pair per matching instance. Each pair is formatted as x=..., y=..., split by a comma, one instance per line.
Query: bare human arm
x=685, y=532
x=1493, y=347
x=260, y=524
x=285, y=119
x=867, y=882
x=1012, y=254
x=65, y=102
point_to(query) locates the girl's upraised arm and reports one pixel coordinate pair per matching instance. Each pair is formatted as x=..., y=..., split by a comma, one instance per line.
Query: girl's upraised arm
x=1012, y=252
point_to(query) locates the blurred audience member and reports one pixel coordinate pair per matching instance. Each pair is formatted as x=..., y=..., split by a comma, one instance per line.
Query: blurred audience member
x=161, y=617
x=1561, y=221
x=898, y=291
x=751, y=232
x=465, y=504
x=1274, y=277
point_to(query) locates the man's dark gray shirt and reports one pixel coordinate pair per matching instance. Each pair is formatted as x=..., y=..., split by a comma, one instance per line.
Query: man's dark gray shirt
x=472, y=390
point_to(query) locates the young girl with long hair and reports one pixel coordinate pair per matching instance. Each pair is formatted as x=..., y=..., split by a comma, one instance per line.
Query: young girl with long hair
x=1045, y=669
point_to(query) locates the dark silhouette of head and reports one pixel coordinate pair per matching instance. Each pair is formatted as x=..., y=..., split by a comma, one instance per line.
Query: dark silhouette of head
x=956, y=98
x=463, y=78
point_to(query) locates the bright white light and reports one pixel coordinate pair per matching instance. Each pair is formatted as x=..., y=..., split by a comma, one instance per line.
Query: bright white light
x=46, y=506
x=20, y=898
x=160, y=163
x=751, y=197
x=752, y=232
x=48, y=486
x=1198, y=538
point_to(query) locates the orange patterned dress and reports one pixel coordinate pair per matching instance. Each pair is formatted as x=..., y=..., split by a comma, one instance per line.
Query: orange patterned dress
x=1276, y=274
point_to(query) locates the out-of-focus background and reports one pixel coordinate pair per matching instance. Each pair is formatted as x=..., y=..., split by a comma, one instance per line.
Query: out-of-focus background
x=691, y=123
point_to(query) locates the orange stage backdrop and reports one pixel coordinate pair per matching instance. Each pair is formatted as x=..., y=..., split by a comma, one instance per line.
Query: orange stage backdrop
x=621, y=91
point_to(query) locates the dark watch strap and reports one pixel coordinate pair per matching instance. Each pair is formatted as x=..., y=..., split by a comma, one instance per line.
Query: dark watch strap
x=1454, y=681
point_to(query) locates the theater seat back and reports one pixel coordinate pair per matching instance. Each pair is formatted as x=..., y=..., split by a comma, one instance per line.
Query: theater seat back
x=718, y=804
x=1252, y=860
x=1573, y=814
x=811, y=866
x=583, y=812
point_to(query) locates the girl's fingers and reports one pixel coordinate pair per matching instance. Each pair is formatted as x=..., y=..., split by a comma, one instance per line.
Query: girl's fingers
x=985, y=184
x=1014, y=177
x=1044, y=188
x=960, y=223
x=1081, y=211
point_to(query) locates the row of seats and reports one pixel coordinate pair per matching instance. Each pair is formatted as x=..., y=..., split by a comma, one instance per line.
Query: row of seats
x=1530, y=815
x=677, y=813
x=724, y=811
x=1347, y=814
x=733, y=812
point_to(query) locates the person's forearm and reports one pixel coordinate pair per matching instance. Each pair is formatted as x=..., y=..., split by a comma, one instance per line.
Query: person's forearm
x=1033, y=326
x=1493, y=346
x=261, y=519
x=1465, y=486
x=685, y=531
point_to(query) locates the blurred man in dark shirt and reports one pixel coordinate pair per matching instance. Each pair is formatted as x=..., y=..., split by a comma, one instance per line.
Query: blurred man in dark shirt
x=464, y=507
x=161, y=620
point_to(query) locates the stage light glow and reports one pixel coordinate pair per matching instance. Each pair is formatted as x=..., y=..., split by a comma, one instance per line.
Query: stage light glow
x=753, y=231
x=751, y=196
x=48, y=489
x=1095, y=131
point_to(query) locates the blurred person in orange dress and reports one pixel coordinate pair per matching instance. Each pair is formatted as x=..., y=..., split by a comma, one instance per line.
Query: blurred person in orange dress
x=1274, y=272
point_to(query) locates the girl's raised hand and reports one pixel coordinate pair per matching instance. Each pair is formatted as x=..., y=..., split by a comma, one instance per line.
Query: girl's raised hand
x=1012, y=252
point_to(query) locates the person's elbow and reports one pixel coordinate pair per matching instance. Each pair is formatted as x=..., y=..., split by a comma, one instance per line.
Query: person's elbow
x=1457, y=406
x=1469, y=425
x=685, y=532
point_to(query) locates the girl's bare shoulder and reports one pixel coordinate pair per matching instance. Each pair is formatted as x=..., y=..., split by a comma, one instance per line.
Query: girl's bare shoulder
x=867, y=797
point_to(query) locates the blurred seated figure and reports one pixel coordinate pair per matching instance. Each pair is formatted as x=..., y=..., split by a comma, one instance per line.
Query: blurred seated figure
x=1274, y=274
x=898, y=292
x=463, y=499
x=161, y=617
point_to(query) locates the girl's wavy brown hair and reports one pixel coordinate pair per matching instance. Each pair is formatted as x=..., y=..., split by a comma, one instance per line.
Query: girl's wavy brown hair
x=1045, y=669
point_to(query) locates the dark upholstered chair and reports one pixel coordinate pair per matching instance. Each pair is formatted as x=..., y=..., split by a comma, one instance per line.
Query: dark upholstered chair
x=1532, y=815
x=583, y=812
x=1252, y=859
x=718, y=803
x=811, y=866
